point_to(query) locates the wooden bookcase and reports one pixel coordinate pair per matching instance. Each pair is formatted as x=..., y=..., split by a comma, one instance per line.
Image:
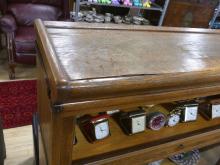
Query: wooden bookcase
x=79, y=74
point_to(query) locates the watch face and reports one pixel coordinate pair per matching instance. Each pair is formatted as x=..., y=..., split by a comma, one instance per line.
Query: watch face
x=138, y=124
x=173, y=120
x=215, y=111
x=190, y=113
x=156, y=121
x=132, y=122
x=102, y=130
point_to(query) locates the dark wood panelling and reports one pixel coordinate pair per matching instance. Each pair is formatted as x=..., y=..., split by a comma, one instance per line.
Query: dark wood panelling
x=190, y=13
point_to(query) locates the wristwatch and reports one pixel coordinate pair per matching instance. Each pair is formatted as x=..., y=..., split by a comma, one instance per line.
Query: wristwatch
x=173, y=117
x=155, y=120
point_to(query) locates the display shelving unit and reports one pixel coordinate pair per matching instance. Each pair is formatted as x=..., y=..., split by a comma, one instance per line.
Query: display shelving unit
x=154, y=7
x=113, y=145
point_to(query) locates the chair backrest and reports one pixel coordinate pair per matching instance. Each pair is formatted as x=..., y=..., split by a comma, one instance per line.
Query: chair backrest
x=46, y=2
x=25, y=14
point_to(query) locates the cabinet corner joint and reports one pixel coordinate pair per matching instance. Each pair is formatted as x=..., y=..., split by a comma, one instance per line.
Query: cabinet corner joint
x=57, y=108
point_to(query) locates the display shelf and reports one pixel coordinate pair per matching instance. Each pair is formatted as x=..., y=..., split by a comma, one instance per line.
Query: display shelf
x=154, y=6
x=118, y=141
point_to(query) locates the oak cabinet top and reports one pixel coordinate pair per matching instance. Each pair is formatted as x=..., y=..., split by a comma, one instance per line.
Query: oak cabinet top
x=115, y=60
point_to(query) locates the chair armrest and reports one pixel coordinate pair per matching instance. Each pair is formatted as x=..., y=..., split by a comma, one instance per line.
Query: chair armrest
x=8, y=24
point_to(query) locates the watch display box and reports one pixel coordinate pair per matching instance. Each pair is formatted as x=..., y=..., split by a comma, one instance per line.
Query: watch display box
x=94, y=128
x=210, y=109
x=133, y=122
x=189, y=112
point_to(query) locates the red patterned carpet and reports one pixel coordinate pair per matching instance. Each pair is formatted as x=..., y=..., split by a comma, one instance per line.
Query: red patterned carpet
x=18, y=101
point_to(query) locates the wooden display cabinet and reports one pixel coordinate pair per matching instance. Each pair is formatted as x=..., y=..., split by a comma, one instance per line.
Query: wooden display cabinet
x=89, y=68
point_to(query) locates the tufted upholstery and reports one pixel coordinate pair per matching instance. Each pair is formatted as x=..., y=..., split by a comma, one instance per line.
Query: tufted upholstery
x=44, y=12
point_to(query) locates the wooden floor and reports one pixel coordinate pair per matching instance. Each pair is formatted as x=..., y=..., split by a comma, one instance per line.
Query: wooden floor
x=19, y=143
x=19, y=146
x=22, y=71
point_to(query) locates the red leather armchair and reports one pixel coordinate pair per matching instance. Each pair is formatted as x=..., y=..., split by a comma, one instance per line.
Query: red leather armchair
x=17, y=24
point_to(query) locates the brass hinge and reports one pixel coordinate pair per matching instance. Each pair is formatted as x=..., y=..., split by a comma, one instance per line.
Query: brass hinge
x=57, y=108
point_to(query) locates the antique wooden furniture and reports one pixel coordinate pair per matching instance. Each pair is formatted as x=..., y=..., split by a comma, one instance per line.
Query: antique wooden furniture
x=87, y=69
x=190, y=13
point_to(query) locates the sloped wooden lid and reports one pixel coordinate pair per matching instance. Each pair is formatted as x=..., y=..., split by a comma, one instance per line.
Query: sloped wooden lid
x=93, y=61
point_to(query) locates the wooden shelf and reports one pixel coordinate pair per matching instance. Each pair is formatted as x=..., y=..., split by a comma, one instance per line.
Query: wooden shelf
x=154, y=6
x=119, y=141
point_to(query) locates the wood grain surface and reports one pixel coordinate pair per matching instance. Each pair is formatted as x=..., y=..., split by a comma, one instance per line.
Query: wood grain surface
x=90, y=54
x=190, y=13
x=114, y=60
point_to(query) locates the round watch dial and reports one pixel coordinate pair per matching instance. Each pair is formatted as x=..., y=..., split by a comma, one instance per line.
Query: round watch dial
x=101, y=130
x=156, y=120
x=173, y=120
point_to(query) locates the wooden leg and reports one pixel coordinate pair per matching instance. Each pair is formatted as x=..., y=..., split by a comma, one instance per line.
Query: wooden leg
x=42, y=154
x=65, y=134
x=11, y=71
x=68, y=139
x=10, y=50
